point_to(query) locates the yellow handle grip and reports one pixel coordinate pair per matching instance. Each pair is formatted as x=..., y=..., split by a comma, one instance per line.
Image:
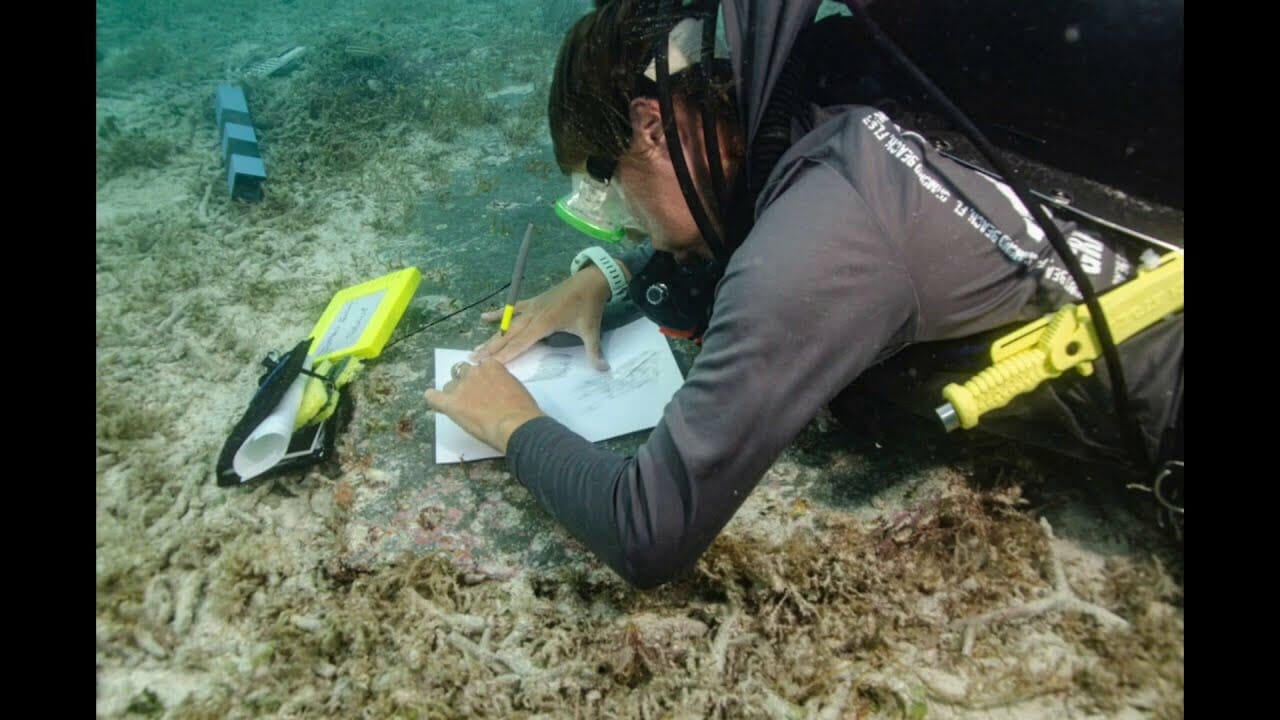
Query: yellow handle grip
x=1059, y=346
x=996, y=386
x=1063, y=340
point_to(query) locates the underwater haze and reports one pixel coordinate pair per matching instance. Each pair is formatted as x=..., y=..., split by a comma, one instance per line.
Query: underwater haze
x=390, y=134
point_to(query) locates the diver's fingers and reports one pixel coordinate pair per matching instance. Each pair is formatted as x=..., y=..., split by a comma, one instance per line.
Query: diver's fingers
x=517, y=341
x=490, y=346
x=499, y=341
x=437, y=400
x=591, y=341
x=496, y=315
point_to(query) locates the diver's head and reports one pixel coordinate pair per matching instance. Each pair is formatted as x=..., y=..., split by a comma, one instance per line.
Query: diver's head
x=609, y=133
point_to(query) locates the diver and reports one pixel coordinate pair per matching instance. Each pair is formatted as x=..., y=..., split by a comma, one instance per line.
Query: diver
x=817, y=254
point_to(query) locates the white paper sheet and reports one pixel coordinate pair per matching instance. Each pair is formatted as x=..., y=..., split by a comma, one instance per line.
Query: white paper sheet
x=626, y=398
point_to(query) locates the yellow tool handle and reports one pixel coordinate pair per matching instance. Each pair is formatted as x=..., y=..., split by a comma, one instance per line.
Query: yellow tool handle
x=996, y=386
x=1063, y=340
x=1147, y=299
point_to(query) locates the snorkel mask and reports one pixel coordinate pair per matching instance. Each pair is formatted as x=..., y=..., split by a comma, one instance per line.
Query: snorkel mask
x=596, y=207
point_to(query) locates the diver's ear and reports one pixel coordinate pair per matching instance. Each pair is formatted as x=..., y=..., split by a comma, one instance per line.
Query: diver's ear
x=646, y=121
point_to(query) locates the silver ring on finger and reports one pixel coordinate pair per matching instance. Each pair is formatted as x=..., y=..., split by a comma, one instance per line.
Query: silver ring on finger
x=457, y=369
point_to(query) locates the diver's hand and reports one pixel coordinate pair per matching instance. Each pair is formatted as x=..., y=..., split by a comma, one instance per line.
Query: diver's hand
x=487, y=401
x=575, y=305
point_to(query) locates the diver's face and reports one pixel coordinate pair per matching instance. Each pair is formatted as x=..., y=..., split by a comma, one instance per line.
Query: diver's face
x=652, y=194
x=649, y=187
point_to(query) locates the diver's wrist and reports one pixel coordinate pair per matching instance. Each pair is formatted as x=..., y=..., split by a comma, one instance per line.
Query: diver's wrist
x=593, y=283
x=507, y=426
x=616, y=276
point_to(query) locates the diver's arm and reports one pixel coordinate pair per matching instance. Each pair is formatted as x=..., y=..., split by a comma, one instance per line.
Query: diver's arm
x=575, y=481
x=813, y=298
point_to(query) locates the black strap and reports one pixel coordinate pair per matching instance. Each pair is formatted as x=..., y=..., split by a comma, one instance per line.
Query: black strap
x=1171, y=447
x=700, y=217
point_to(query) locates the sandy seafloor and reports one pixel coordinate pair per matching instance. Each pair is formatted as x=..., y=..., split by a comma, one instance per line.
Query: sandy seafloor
x=380, y=585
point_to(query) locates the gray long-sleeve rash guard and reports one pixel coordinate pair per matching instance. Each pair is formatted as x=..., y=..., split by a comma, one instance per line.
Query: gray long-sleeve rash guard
x=866, y=241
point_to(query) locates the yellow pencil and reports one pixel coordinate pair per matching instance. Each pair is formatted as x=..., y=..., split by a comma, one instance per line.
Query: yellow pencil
x=514, y=293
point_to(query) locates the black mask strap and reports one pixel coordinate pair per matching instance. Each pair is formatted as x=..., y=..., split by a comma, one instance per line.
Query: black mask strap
x=710, y=134
x=687, y=188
